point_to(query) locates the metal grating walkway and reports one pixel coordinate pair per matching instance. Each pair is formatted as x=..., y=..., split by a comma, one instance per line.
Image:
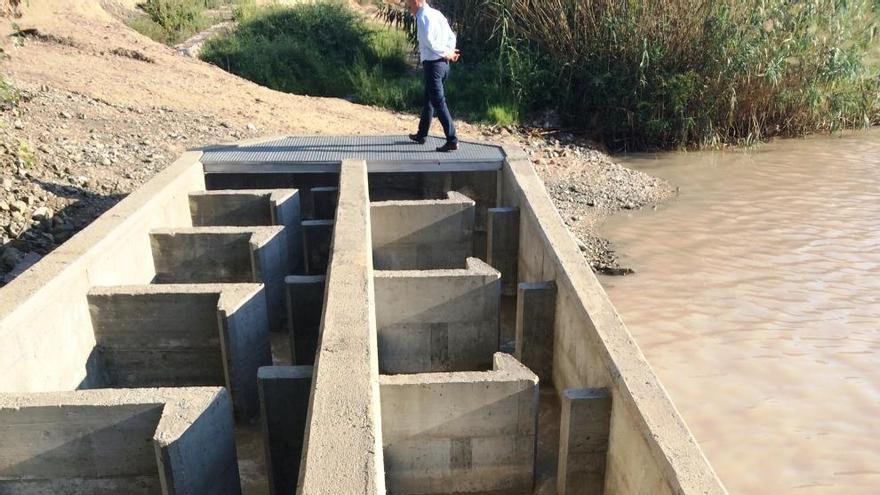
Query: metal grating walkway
x=325, y=153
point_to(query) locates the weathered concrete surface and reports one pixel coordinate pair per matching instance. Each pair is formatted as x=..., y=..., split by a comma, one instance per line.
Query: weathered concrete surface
x=651, y=449
x=284, y=402
x=225, y=254
x=423, y=234
x=461, y=432
x=246, y=208
x=583, y=441
x=502, y=249
x=317, y=237
x=182, y=335
x=44, y=315
x=535, y=320
x=437, y=320
x=343, y=447
x=305, y=303
x=166, y=440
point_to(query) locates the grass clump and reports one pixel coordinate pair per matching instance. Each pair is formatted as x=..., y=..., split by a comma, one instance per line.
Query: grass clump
x=9, y=95
x=173, y=21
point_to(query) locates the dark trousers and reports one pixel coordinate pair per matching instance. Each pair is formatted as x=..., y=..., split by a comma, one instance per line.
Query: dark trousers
x=436, y=72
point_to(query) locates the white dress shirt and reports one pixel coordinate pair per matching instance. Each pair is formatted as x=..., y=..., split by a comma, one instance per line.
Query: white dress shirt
x=436, y=39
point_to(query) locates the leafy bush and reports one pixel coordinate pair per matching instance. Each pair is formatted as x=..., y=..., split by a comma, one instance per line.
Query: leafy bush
x=305, y=49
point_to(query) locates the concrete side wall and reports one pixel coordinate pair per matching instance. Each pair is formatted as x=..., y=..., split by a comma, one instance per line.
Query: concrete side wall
x=44, y=314
x=422, y=235
x=461, y=432
x=343, y=451
x=651, y=449
x=437, y=320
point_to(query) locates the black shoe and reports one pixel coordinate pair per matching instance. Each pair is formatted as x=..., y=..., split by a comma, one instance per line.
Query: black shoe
x=416, y=138
x=448, y=147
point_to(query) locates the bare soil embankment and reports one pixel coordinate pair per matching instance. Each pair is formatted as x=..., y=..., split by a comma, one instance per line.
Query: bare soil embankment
x=103, y=108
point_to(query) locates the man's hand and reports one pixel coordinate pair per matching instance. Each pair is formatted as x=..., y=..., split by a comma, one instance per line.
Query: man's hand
x=454, y=56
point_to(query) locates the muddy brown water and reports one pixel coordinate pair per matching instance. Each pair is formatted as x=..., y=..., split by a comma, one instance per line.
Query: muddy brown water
x=756, y=300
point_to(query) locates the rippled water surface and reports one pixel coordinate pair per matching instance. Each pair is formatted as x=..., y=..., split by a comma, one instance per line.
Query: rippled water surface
x=757, y=301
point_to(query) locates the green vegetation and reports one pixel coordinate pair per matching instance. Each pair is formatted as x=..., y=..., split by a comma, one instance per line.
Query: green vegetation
x=172, y=21
x=9, y=96
x=636, y=74
x=326, y=49
x=676, y=73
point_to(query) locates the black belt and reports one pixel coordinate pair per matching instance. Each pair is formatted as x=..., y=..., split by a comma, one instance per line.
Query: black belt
x=434, y=61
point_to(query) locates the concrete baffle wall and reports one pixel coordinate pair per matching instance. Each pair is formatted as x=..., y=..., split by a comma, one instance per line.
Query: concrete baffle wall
x=437, y=320
x=183, y=335
x=324, y=201
x=343, y=444
x=284, y=404
x=255, y=207
x=44, y=314
x=317, y=238
x=461, y=432
x=175, y=441
x=502, y=250
x=583, y=441
x=422, y=234
x=535, y=319
x=225, y=255
x=305, y=303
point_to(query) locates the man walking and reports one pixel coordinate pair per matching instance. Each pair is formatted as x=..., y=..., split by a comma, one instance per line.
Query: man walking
x=437, y=51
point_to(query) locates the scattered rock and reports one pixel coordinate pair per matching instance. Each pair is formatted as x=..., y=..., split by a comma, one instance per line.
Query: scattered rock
x=42, y=213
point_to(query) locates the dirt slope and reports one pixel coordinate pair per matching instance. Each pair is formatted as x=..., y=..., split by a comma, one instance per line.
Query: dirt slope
x=104, y=108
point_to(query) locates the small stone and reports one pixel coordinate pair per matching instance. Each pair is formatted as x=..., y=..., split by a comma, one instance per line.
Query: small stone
x=11, y=257
x=18, y=124
x=19, y=206
x=251, y=127
x=106, y=162
x=66, y=115
x=43, y=213
x=4, y=206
